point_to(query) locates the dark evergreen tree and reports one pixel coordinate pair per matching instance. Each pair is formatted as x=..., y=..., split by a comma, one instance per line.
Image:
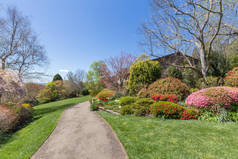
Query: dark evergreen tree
x=57, y=77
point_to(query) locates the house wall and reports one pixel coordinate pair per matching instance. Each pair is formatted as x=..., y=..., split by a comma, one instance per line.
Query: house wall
x=176, y=59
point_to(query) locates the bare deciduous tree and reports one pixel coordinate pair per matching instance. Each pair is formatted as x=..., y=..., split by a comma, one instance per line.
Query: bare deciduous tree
x=185, y=25
x=19, y=46
x=75, y=81
x=115, y=71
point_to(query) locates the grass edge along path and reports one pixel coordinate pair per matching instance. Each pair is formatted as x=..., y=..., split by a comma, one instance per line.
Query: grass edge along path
x=26, y=141
x=153, y=138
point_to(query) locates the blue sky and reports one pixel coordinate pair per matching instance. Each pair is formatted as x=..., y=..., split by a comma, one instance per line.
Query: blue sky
x=76, y=33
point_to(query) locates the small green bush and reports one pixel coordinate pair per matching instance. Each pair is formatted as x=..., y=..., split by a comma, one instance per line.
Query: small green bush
x=127, y=100
x=127, y=110
x=94, y=107
x=211, y=82
x=174, y=72
x=140, y=110
x=144, y=101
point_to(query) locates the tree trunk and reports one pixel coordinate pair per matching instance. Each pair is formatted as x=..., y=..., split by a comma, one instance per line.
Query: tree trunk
x=204, y=63
x=3, y=64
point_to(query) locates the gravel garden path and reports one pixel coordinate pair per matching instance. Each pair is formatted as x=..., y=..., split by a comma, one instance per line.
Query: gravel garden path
x=81, y=134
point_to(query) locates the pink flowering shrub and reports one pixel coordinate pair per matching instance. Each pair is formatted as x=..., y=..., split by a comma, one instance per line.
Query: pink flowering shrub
x=214, y=98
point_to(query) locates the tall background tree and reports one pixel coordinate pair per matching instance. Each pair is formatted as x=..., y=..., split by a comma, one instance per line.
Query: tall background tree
x=94, y=78
x=20, y=49
x=183, y=25
x=57, y=77
x=75, y=82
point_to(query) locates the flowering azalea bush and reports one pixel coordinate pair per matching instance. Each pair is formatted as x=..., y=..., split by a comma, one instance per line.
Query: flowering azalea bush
x=170, y=98
x=214, y=98
x=189, y=114
x=167, y=110
x=231, y=78
x=169, y=85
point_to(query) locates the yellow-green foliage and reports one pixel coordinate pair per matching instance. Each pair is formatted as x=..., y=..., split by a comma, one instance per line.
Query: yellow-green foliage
x=53, y=91
x=106, y=94
x=142, y=74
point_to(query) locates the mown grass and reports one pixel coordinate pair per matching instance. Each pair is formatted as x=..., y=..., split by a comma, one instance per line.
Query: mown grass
x=151, y=138
x=23, y=143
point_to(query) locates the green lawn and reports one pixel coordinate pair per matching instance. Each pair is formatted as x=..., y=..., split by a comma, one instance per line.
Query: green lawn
x=23, y=143
x=147, y=138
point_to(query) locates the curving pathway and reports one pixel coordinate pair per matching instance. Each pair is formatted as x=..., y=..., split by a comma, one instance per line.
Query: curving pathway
x=81, y=134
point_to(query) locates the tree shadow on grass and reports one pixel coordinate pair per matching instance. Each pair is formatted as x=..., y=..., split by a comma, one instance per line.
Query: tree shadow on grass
x=39, y=113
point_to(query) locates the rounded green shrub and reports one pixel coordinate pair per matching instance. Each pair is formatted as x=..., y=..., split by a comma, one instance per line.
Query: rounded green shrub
x=231, y=78
x=142, y=110
x=142, y=106
x=144, y=101
x=174, y=72
x=142, y=74
x=127, y=110
x=94, y=107
x=211, y=81
x=169, y=85
x=127, y=100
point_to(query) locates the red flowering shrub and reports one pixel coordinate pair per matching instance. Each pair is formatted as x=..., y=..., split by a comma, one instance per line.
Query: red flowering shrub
x=214, y=98
x=189, y=114
x=169, y=85
x=167, y=109
x=170, y=98
x=231, y=78
x=105, y=94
